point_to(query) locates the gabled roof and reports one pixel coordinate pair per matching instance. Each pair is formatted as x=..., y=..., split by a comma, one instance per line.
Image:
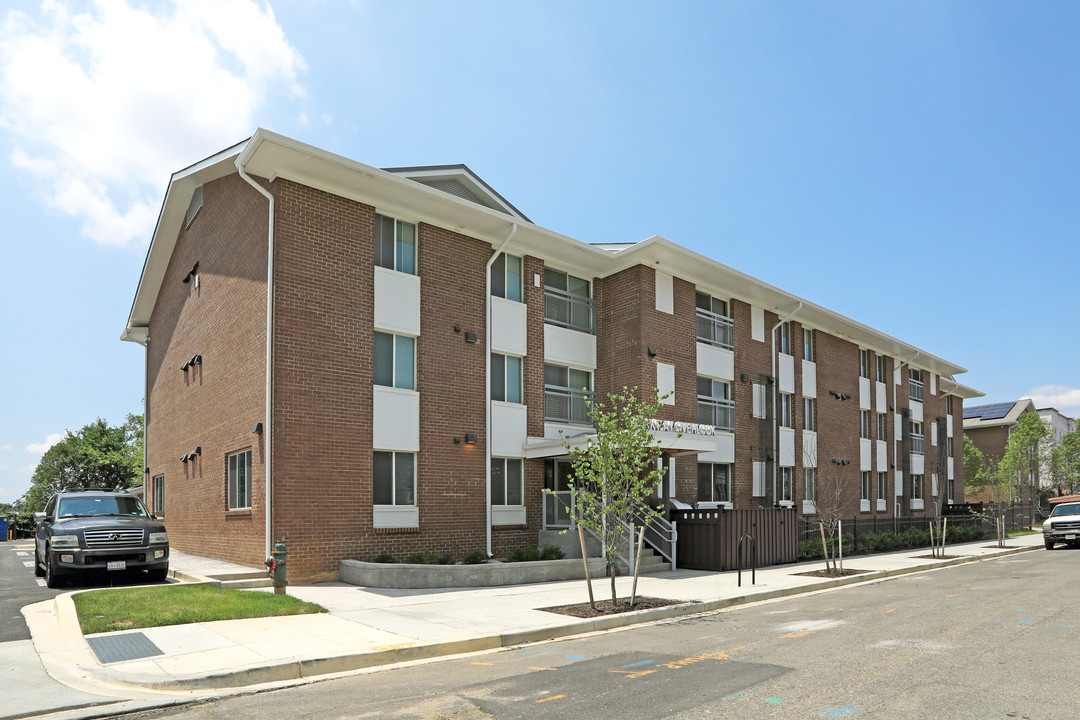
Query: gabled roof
x=996, y=414
x=460, y=181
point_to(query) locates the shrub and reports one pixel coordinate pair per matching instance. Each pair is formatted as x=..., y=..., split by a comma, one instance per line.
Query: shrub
x=429, y=557
x=810, y=550
x=525, y=554
x=385, y=557
x=551, y=552
x=474, y=557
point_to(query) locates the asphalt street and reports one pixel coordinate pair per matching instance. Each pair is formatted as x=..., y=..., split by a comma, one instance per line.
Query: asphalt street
x=994, y=639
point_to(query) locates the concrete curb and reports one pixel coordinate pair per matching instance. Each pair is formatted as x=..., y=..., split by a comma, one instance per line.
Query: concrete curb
x=306, y=669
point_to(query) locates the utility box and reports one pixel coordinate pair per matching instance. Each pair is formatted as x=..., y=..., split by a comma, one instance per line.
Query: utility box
x=3, y=528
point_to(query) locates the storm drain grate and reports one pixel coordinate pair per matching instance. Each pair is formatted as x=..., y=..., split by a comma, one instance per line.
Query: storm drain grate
x=129, y=646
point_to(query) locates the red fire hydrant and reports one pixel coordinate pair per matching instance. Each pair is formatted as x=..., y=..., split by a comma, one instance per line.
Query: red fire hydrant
x=276, y=567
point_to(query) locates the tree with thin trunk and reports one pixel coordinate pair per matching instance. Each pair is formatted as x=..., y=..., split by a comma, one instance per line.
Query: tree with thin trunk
x=1065, y=461
x=615, y=474
x=940, y=498
x=833, y=499
x=982, y=474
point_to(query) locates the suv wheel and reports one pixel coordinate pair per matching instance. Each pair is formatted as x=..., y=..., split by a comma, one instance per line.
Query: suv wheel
x=1048, y=544
x=52, y=580
x=39, y=571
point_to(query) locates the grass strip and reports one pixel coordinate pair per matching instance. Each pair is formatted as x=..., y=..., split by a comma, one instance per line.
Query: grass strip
x=128, y=608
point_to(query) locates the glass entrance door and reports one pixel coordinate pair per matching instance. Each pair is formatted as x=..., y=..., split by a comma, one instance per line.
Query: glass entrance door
x=558, y=507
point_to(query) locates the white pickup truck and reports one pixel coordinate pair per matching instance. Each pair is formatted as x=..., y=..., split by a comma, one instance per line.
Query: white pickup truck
x=1063, y=525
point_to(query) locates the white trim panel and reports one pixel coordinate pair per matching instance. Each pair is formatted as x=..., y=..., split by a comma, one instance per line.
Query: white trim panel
x=395, y=419
x=563, y=346
x=787, y=373
x=865, y=464
x=725, y=449
x=715, y=362
x=509, y=429
x=809, y=379
x=864, y=393
x=395, y=516
x=787, y=447
x=665, y=293
x=397, y=301
x=509, y=321
x=809, y=448
x=507, y=514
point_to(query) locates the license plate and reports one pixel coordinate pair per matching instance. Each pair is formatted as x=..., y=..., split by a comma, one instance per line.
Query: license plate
x=117, y=565
x=1070, y=537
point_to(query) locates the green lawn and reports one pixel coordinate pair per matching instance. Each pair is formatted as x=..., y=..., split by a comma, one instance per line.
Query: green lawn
x=128, y=608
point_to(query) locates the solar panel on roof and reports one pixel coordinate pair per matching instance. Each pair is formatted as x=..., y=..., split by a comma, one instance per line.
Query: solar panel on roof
x=994, y=411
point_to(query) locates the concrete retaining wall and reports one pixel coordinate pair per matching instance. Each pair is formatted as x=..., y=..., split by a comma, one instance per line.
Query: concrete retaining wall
x=406, y=576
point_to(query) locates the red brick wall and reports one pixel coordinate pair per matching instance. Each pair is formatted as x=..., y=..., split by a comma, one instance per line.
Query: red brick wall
x=213, y=405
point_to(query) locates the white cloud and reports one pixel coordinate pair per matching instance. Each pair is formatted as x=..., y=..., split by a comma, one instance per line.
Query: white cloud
x=102, y=105
x=6, y=448
x=41, y=447
x=1066, y=399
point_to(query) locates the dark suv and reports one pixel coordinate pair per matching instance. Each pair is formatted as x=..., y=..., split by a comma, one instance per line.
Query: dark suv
x=82, y=532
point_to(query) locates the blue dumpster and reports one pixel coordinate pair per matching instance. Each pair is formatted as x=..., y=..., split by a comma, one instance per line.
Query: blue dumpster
x=3, y=528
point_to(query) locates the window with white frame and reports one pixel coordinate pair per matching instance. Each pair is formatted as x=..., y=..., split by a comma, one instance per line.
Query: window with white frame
x=395, y=361
x=864, y=423
x=568, y=301
x=238, y=470
x=714, y=482
x=714, y=324
x=784, y=483
x=882, y=478
x=915, y=384
x=864, y=486
x=505, y=378
x=809, y=419
x=809, y=484
x=808, y=352
x=567, y=394
x=159, y=494
x=506, y=277
x=879, y=363
x=507, y=481
x=882, y=426
x=395, y=244
x=948, y=404
x=785, y=339
x=917, y=439
x=787, y=418
x=948, y=446
x=864, y=363
x=394, y=478
x=715, y=406
x=916, y=487
x=759, y=406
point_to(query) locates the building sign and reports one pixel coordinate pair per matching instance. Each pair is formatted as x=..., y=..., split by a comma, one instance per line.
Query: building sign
x=684, y=428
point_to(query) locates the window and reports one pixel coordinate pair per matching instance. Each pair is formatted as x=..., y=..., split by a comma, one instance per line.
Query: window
x=394, y=478
x=758, y=410
x=809, y=484
x=864, y=423
x=948, y=446
x=159, y=495
x=786, y=416
x=395, y=244
x=506, y=482
x=785, y=484
x=238, y=468
x=916, y=487
x=567, y=393
x=714, y=326
x=809, y=418
x=949, y=490
x=882, y=426
x=917, y=441
x=881, y=480
x=948, y=404
x=864, y=363
x=785, y=338
x=505, y=378
x=506, y=277
x=395, y=360
x=879, y=362
x=714, y=482
x=864, y=487
x=568, y=302
x=808, y=353
x=915, y=384
x=715, y=406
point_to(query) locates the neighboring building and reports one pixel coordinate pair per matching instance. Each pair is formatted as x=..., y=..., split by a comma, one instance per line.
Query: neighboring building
x=989, y=427
x=417, y=381
x=1060, y=425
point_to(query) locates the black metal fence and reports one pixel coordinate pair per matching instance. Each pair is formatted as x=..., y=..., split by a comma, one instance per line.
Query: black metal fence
x=1017, y=515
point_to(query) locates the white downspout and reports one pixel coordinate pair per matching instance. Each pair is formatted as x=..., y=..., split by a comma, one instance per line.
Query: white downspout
x=268, y=419
x=896, y=452
x=487, y=381
x=776, y=382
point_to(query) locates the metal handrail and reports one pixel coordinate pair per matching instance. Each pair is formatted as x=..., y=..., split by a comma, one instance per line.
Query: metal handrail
x=563, y=404
x=716, y=412
x=568, y=310
x=715, y=329
x=918, y=443
x=662, y=537
x=915, y=389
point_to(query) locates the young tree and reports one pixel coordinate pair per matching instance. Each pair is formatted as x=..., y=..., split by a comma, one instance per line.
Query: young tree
x=1025, y=452
x=939, y=500
x=97, y=457
x=614, y=476
x=834, y=495
x=1065, y=464
x=982, y=474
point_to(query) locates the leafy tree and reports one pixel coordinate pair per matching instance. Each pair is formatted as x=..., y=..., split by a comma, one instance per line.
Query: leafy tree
x=614, y=476
x=1025, y=452
x=97, y=457
x=1065, y=464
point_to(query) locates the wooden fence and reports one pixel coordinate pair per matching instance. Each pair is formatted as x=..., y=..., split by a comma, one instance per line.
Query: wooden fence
x=709, y=539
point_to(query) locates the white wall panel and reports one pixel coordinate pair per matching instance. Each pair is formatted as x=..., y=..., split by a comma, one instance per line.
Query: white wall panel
x=665, y=383
x=725, y=449
x=881, y=403
x=917, y=462
x=395, y=516
x=916, y=411
x=563, y=346
x=757, y=324
x=397, y=302
x=865, y=460
x=665, y=293
x=882, y=456
x=948, y=426
x=787, y=447
x=786, y=368
x=509, y=321
x=509, y=429
x=396, y=419
x=864, y=393
x=715, y=362
x=809, y=379
x=809, y=446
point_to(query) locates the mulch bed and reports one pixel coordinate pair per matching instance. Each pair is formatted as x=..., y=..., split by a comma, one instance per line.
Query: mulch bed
x=833, y=573
x=1000, y=547
x=604, y=607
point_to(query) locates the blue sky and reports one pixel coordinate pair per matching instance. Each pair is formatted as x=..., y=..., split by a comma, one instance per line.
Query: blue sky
x=911, y=165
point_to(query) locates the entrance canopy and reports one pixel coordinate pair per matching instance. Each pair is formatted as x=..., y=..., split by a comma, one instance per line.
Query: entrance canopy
x=671, y=442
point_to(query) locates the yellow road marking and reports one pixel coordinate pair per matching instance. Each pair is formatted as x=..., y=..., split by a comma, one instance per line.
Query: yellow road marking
x=953, y=595
x=553, y=697
x=892, y=610
x=738, y=648
x=976, y=588
x=691, y=660
x=632, y=674
x=540, y=668
x=798, y=634
x=479, y=663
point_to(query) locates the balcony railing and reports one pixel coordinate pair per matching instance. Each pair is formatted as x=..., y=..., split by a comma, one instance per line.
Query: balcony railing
x=715, y=329
x=565, y=405
x=917, y=443
x=718, y=413
x=569, y=311
x=915, y=390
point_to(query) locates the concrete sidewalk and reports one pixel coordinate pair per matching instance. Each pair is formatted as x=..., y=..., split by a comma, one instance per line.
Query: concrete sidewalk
x=366, y=627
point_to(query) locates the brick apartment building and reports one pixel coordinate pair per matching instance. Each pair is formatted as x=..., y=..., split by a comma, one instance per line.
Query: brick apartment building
x=428, y=343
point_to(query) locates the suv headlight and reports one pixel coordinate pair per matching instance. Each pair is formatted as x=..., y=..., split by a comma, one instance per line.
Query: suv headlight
x=65, y=541
x=160, y=538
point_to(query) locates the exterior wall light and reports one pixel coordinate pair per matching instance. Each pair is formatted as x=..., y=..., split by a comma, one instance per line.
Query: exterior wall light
x=470, y=438
x=257, y=429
